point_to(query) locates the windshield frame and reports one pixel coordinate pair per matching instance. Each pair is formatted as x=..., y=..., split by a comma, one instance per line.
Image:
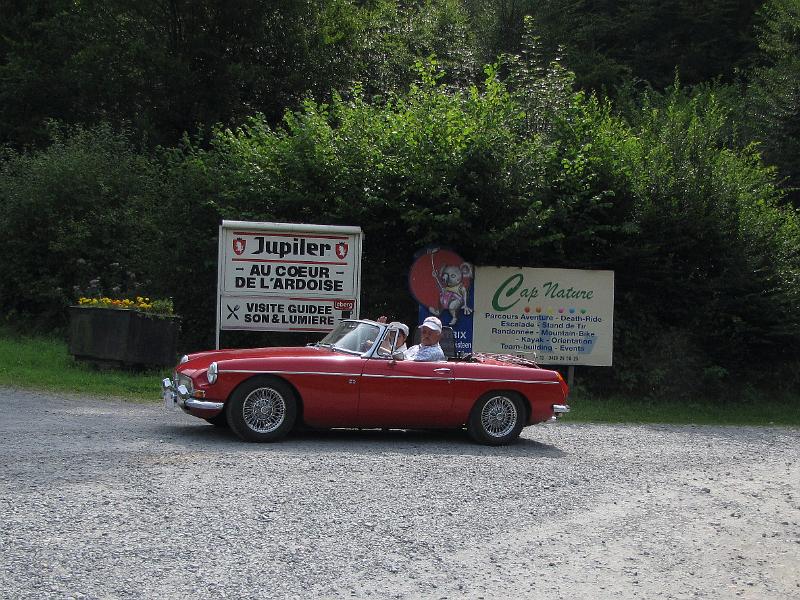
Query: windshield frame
x=377, y=330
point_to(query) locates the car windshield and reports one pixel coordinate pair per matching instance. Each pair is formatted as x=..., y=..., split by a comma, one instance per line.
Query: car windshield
x=352, y=336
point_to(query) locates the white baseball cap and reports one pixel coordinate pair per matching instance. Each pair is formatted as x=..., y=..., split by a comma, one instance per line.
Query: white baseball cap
x=432, y=323
x=401, y=326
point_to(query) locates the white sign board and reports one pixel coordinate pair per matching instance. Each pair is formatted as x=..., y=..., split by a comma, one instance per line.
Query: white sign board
x=287, y=276
x=564, y=316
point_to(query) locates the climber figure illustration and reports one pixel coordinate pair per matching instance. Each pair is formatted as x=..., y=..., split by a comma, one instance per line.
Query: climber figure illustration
x=453, y=282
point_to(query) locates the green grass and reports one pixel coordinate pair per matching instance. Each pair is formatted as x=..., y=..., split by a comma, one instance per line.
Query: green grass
x=750, y=411
x=44, y=364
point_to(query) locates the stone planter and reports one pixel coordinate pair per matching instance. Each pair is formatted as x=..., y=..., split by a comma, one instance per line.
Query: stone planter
x=117, y=337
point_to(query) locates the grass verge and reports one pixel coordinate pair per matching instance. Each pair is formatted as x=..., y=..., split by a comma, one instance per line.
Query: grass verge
x=44, y=364
x=752, y=411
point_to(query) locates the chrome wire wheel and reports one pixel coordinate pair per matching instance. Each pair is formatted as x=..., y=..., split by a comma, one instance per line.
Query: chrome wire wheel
x=499, y=416
x=264, y=410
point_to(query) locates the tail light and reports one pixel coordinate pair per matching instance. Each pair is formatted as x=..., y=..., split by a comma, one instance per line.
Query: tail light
x=564, y=386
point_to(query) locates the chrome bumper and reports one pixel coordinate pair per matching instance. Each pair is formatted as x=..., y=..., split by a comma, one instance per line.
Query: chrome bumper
x=558, y=410
x=179, y=397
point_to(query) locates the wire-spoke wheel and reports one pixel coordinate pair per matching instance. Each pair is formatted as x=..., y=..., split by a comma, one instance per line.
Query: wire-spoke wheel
x=262, y=410
x=497, y=418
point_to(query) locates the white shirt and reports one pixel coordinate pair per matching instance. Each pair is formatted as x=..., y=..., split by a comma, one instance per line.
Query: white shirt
x=422, y=353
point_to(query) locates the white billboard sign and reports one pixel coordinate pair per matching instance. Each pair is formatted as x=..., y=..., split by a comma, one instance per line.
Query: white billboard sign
x=564, y=316
x=287, y=276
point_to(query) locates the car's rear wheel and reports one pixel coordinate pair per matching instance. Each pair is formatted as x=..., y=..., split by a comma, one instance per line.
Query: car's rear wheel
x=497, y=418
x=262, y=410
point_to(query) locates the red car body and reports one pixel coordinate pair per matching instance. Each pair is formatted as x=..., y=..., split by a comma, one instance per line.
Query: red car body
x=337, y=389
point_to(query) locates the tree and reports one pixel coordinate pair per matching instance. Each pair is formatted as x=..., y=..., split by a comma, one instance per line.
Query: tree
x=165, y=67
x=607, y=43
x=773, y=98
x=75, y=216
x=714, y=268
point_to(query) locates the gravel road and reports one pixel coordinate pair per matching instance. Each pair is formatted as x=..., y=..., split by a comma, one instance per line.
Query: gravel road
x=108, y=499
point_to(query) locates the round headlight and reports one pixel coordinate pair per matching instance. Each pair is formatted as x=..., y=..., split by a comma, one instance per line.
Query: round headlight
x=212, y=372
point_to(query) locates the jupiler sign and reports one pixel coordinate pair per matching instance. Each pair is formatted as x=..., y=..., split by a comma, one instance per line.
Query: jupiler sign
x=287, y=276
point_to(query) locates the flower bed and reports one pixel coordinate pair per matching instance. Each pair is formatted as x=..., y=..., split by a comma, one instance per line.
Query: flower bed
x=140, y=304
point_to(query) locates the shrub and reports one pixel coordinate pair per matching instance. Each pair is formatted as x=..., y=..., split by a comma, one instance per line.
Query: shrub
x=75, y=211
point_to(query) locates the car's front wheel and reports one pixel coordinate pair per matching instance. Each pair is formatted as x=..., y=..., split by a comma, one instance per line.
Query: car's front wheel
x=262, y=410
x=497, y=418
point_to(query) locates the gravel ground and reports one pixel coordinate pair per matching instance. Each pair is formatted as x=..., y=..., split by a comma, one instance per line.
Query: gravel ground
x=108, y=499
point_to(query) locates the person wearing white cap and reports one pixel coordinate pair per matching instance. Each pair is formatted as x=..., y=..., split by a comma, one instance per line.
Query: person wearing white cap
x=428, y=349
x=402, y=335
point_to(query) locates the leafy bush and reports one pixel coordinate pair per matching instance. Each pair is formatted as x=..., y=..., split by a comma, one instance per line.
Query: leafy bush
x=72, y=213
x=716, y=251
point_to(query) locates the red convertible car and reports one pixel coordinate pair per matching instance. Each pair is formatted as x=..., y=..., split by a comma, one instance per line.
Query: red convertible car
x=355, y=378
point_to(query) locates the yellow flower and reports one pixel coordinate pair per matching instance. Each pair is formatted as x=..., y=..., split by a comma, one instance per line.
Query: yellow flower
x=141, y=303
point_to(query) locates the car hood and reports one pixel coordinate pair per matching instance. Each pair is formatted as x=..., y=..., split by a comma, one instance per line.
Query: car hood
x=201, y=360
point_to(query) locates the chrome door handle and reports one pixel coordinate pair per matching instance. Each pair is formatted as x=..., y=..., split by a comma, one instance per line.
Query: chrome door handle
x=442, y=370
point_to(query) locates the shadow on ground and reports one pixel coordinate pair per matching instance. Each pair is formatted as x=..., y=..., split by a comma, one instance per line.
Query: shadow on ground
x=365, y=441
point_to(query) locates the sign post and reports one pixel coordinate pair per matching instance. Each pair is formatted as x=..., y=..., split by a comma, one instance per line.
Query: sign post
x=287, y=276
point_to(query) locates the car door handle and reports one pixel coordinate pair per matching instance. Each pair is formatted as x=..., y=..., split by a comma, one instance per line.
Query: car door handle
x=442, y=370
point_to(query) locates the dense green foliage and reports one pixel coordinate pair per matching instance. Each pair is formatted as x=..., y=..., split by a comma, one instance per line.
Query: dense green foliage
x=167, y=67
x=773, y=96
x=334, y=111
x=72, y=214
x=608, y=43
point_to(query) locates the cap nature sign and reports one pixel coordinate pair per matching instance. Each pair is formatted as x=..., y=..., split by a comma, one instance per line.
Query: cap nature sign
x=287, y=276
x=562, y=316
